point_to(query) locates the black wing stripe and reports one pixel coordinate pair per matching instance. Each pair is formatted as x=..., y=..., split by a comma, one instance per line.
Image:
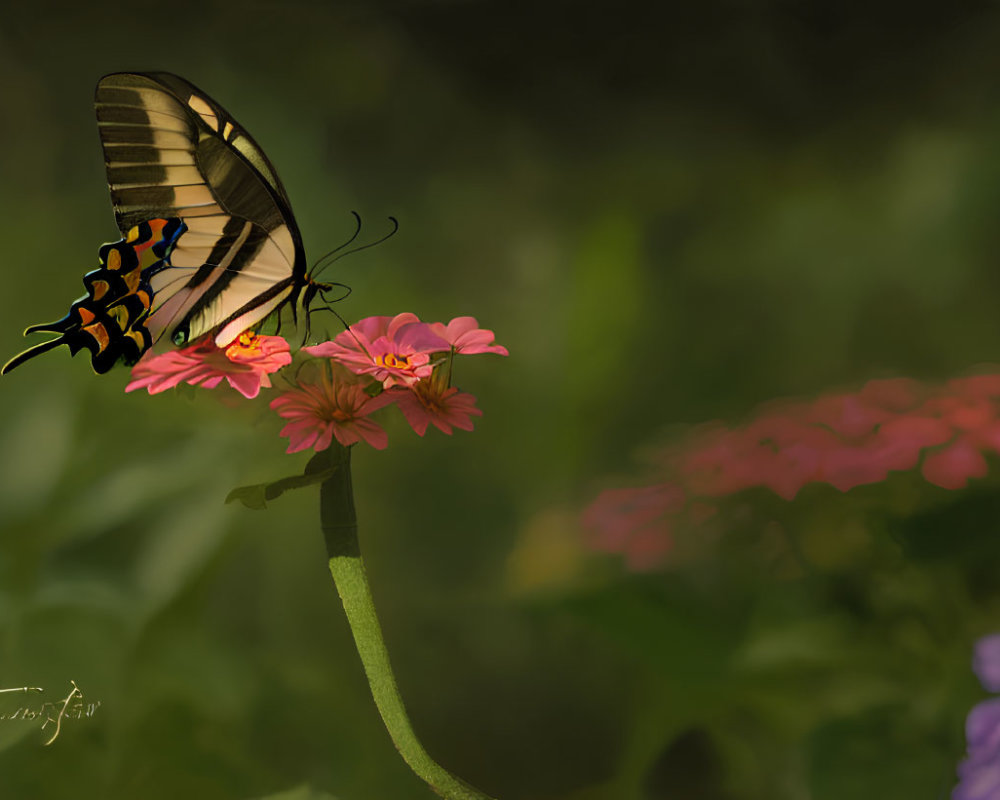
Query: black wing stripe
x=129, y=115
x=175, y=299
x=151, y=196
x=142, y=154
x=256, y=276
x=242, y=252
x=139, y=114
x=151, y=181
x=125, y=90
x=225, y=252
x=205, y=259
x=192, y=211
x=146, y=102
x=253, y=312
x=135, y=131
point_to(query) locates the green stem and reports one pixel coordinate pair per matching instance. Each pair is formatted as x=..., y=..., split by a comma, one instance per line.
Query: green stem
x=340, y=529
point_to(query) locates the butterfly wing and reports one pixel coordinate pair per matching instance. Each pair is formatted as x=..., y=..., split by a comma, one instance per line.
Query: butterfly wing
x=209, y=247
x=173, y=152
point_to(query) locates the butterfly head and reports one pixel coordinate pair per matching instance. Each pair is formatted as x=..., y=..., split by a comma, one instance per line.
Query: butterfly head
x=322, y=290
x=311, y=288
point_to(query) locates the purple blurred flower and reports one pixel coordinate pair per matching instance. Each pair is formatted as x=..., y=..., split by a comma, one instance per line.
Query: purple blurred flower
x=986, y=662
x=979, y=774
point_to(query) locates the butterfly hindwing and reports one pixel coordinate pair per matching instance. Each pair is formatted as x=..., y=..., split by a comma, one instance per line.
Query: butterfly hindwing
x=219, y=278
x=109, y=321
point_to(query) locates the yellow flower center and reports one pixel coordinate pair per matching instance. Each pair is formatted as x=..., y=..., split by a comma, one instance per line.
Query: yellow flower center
x=392, y=361
x=246, y=341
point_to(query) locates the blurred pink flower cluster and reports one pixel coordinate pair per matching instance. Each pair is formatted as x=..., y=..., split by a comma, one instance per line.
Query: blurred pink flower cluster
x=844, y=439
x=377, y=362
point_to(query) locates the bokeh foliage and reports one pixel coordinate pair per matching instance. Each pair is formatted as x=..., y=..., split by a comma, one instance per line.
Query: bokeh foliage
x=669, y=213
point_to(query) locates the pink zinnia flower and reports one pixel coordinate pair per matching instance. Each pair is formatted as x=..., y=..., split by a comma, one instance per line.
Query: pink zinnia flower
x=423, y=404
x=331, y=408
x=394, y=350
x=245, y=365
x=464, y=335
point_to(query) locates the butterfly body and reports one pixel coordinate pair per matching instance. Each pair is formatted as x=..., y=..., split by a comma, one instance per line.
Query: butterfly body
x=210, y=247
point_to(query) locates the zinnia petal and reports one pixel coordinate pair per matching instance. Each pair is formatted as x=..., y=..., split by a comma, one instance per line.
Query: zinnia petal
x=331, y=408
x=245, y=364
x=465, y=335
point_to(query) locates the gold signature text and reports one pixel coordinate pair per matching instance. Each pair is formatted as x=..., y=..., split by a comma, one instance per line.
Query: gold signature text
x=72, y=706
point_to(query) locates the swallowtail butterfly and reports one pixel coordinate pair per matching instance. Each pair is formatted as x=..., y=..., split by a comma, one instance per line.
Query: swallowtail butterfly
x=210, y=247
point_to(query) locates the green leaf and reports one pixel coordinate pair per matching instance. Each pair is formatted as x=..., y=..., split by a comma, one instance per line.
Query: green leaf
x=319, y=462
x=256, y=496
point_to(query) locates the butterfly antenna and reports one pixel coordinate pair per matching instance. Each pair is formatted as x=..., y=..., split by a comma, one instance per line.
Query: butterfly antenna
x=389, y=235
x=333, y=311
x=327, y=307
x=347, y=292
x=316, y=268
x=342, y=320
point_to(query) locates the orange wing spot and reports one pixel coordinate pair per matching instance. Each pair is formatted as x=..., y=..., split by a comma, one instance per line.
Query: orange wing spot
x=100, y=334
x=133, y=234
x=156, y=229
x=138, y=338
x=86, y=316
x=120, y=315
x=100, y=289
x=144, y=298
x=132, y=280
x=114, y=259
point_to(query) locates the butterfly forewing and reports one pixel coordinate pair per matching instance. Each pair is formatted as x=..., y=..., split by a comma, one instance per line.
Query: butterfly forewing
x=171, y=151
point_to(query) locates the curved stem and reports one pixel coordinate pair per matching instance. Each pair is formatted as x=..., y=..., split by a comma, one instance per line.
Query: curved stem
x=340, y=529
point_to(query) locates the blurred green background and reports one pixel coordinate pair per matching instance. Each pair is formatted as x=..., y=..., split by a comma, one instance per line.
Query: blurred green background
x=669, y=213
